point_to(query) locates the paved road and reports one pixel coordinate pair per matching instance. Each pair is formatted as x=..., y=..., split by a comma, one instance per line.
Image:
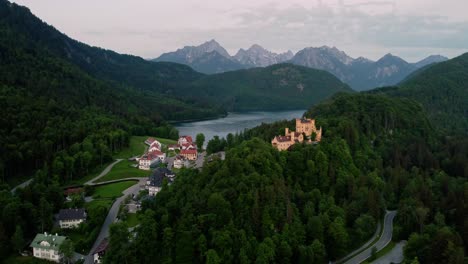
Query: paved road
x=381, y=243
x=361, y=248
x=112, y=216
x=394, y=256
x=104, y=172
x=22, y=185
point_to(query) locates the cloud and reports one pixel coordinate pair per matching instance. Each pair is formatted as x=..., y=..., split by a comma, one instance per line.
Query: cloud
x=367, y=28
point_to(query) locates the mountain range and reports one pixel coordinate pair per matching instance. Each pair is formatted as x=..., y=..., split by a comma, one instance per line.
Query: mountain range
x=360, y=73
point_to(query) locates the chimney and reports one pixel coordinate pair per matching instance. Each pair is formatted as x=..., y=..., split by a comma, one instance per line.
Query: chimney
x=286, y=131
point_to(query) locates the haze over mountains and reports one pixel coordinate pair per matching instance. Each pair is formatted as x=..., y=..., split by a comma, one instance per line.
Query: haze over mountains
x=360, y=73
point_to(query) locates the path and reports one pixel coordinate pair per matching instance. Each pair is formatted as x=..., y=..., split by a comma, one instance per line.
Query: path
x=381, y=243
x=118, y=180
x=112, y=215
x=394, y=256
x=104, y=172
x=22, y=185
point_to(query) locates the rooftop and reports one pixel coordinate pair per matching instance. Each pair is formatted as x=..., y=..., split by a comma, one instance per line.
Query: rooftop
x=188, y=151
x=283, y=138
x=102, y=246
x=71, y=214
x=47, y=241
x=156, y=179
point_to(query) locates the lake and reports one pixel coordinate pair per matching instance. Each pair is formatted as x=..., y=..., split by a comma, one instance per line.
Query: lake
x=234, y=122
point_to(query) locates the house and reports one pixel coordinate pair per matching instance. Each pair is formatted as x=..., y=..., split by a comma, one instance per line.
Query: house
x=184, y=139
x=71, y=218
x=159, y=154
x=149, y=141
x=173, y=147
x=156, y=145
x=190, y=154
x=155, y=181
x=46, y=246
x=188, y=146
x=154, y=157
x=305, y=130
x=98, y=254
x=73, y=191
x=180, y=162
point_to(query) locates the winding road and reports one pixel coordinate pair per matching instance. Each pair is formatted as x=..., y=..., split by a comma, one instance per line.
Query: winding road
x=114, y=210
x=103, y=173
x=383, y=241
x=112, y=216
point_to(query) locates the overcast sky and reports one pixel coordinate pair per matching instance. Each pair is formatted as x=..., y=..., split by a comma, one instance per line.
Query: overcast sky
x=411, y=29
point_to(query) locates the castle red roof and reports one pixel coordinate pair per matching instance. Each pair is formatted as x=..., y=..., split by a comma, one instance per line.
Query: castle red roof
x=283, y=138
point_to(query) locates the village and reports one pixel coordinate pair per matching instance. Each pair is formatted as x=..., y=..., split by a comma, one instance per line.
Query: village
x=153, y=169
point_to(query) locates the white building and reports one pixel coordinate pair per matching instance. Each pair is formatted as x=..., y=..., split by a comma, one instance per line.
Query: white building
x=71, y=218
x=145, y=162
x=46, y=246
x=180, y=162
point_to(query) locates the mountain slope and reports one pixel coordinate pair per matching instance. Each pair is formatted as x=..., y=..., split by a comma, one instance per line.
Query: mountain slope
x=257, y=56
x=443, y=90
x=277, y=87
x=209, y=57
x=361, y=74
x=52, y=101
x=430, y=60
x=213, y=62
x=130, y=75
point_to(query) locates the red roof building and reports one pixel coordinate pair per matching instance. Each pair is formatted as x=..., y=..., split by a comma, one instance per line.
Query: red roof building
x=190, y=154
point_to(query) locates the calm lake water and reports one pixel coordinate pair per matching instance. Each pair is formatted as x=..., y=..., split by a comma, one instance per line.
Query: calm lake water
x=234, y=122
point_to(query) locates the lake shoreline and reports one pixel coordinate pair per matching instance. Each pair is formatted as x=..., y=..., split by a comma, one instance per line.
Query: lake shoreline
x=174, y=122
x=234, y=122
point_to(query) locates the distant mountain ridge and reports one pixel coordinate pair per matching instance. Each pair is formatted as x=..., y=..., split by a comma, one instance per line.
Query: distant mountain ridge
x=257, y=56
x=360, y=73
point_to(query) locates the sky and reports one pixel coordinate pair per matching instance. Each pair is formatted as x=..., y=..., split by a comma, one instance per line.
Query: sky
x=411, y=29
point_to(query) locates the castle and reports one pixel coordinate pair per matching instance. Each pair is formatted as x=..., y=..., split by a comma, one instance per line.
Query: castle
x=305, y=128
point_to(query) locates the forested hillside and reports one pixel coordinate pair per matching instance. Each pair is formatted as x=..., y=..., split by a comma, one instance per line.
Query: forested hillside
x=314, y=203
x=67, y=103
x=277, y=87
x=443, y=91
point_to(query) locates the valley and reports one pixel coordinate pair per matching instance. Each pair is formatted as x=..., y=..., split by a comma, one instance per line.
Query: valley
x=200, y=156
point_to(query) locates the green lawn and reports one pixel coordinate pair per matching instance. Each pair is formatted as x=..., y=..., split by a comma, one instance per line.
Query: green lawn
x=123, y=170
x=166, y=141
x=136, y=148
x=132, y=220
x=92, y=174
x=99, y=202
x=112, y=190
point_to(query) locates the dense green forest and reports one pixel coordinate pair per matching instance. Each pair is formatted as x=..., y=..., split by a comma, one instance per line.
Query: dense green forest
x=316, y=202
x=62, y=112
x=442, y=89
x=277, y=87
